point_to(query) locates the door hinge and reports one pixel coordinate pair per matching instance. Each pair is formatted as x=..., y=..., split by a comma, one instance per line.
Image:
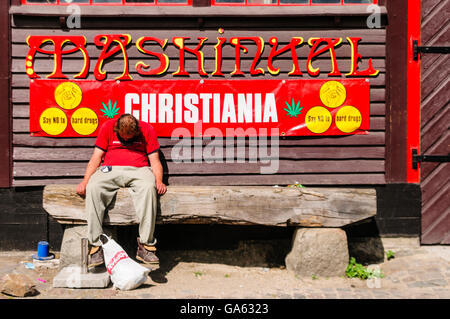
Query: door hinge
x=416, y=158
x=422, y=49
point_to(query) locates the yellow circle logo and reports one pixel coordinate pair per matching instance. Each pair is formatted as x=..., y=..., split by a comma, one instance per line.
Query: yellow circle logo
x=68, y=95
x=53, y=121
x=84, y=121
x=318, y=119
x=333, y=94
x=348, y=119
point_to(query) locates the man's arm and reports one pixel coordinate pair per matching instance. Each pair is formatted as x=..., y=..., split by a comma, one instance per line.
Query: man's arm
x=94, y=162
x=158, y=172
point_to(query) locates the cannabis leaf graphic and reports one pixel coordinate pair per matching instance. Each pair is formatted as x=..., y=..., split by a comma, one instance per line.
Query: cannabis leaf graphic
x=111, y=110
x=293, y=109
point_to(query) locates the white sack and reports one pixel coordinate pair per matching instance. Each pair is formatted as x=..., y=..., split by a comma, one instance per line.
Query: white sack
x=126, y=274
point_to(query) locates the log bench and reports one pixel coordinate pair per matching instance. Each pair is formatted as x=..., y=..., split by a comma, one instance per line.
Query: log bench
x=319, y=213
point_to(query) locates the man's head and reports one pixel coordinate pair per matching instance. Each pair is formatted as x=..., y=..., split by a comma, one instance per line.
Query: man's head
x=127, y=127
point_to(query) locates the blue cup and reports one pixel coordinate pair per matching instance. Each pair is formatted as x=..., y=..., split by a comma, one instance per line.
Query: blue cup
x=42, y=249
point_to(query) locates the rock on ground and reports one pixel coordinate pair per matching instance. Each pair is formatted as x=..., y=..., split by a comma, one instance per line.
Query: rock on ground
x=18, y=285
x=318, y=252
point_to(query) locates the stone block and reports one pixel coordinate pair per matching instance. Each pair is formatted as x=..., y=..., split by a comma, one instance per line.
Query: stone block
x=71, y=277
x=71, y=244
x=322, y=252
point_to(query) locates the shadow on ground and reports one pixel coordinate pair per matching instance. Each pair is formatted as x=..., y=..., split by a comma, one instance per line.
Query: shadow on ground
x=238, y=245
x=243, y=246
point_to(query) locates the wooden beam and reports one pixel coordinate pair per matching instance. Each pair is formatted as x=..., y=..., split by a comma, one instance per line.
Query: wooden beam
x=352, y=166
x=243, y=205
x=5, y=96
x=187, y=11
x=396, y=89
x=373, y=139
x=310, y=180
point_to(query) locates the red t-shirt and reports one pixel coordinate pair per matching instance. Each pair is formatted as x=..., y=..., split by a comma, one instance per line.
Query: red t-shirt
x=135, y=154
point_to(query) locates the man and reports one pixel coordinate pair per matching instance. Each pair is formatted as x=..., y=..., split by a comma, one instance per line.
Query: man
x=126, y=147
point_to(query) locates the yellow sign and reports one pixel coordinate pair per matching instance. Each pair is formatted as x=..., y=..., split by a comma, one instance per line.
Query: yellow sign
x=348, y=119
x=53, y=121
x=318, y=119
x=84, y=121
x=68, y=95
x=333, y=94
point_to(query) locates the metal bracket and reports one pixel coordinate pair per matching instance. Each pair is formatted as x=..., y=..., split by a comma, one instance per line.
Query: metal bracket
x=416, y=158
x=84, y=255
x=421, y=49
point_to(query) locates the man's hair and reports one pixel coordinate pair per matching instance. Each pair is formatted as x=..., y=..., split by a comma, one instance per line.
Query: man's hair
x=127, y=124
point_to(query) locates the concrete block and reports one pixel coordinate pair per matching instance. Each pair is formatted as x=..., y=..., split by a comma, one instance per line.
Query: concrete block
x=318, y=251
x=71, y=277
x=71, y=244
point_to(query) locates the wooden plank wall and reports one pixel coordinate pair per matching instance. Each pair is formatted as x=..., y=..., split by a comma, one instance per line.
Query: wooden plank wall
x=5, y=98
x=347, y=160
x=435, y=119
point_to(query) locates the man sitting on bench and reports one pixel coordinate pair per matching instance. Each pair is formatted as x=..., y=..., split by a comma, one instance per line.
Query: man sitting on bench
x=127, y=147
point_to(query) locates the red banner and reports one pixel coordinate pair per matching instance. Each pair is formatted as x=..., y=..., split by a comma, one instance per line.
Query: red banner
x=203, y=107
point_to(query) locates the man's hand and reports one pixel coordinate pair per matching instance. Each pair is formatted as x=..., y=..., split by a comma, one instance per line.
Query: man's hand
x=81, y=189
x=161, y=188
x=158, y=172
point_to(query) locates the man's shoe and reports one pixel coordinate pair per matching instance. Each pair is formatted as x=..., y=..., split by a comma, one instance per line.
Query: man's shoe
x=146, y=254
x=95, y=257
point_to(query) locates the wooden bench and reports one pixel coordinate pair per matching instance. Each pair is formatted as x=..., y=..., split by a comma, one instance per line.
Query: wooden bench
x=245, y=205
x=313, y=210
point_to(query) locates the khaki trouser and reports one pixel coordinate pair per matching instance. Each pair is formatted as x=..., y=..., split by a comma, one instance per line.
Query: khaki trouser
x=102, y=188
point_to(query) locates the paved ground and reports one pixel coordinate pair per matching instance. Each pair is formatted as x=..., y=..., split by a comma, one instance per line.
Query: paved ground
x=415, y=272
